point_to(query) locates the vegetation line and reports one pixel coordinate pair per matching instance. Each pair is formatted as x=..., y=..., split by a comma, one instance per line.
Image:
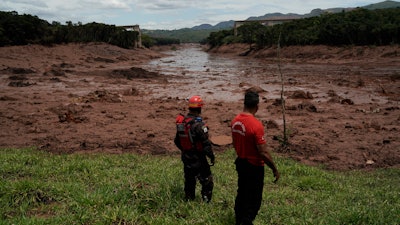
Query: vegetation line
x=41, y=188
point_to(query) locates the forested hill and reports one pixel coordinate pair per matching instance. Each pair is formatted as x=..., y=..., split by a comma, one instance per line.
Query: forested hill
x=25, y=29
x=200, y=32
x=356, y=27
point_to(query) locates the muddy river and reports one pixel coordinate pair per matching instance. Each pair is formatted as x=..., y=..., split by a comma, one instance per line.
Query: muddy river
x=218, y=77
x=209, y=75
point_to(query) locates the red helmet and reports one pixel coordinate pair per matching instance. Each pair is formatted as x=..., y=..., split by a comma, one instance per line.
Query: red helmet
x=196, y=102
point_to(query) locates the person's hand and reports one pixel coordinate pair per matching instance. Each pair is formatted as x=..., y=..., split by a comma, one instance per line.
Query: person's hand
x=276, y=175
x=212, y=161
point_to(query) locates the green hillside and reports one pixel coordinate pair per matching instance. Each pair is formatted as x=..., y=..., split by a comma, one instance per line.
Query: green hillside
x=356, y=27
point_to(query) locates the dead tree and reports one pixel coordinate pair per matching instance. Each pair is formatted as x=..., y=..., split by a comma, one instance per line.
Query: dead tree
x=285, y=140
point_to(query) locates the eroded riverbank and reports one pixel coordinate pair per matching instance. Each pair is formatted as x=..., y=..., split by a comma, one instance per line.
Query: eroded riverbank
x=99, y=98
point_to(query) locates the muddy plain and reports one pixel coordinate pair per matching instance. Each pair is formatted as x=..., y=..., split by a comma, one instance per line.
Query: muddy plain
x=342, y=104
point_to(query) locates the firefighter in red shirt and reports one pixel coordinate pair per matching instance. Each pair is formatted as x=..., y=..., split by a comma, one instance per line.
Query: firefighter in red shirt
x=192, y=139
x=252, y=154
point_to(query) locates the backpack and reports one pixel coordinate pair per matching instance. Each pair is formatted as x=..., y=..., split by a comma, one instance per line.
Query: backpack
x=185, y=134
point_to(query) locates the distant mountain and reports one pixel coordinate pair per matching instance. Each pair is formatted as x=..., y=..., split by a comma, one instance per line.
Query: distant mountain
x=225, y=24
x=314, y=12
x=383, y=5
x=276, y=16
x=203, y=27
x=219, y=26
x=201, y=32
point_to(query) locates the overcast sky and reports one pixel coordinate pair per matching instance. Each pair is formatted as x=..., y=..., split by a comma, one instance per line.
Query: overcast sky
x=165, y=14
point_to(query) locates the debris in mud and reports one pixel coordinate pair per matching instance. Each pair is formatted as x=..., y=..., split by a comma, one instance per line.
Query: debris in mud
x=390, y=54
x=299, y=94
x=395, y=77
x=226, y=119
x=308, y=106
x=392, y=108
x=277, y=102
x=251, y=87
x=7, y=98
x=48, y=142
x=133, y=72
x=332, y=93
x=18, y=81
x=335, y=98
x=65, y=65
x=58, y=69
x=369, y=162
x=70, y=113
x=54, y=72
x=20, y=84
x=87, y=145
x=271, y=124
x=16, y=70
x=18, y=77
x=102, y=96
x=71, y=117
x=374, y=125
x=55, y=79
x=360, y=83
x=131, y=92
x=343, y=83
x=101, y=59
x=305, y=105
x=347, y=101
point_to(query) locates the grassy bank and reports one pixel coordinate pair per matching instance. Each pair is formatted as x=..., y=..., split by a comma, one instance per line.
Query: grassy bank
x=40, y=188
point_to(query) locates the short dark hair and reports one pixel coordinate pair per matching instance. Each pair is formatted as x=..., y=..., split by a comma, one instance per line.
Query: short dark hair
x=251, y=99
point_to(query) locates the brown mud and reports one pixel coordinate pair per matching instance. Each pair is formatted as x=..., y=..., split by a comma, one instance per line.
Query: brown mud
x=342, y=103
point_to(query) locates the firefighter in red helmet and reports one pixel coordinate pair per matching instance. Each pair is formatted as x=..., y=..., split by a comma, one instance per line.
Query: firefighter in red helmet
x=192, y=139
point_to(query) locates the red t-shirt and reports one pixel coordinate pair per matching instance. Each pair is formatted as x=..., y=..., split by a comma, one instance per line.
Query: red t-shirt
x=247, y=133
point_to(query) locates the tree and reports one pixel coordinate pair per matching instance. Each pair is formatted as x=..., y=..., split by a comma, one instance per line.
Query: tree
x=250, y=31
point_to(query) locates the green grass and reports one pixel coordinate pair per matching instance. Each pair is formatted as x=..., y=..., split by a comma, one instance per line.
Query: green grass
x=41, y=188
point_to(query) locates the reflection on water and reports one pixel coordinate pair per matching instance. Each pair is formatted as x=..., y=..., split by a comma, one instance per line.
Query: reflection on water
x=190, y=71
x=213, y=77
x=194, y=60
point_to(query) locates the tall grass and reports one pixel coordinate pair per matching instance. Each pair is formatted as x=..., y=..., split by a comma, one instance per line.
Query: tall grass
x=41, y=188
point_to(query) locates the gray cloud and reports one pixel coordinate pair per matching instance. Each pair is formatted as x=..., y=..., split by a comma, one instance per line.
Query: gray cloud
x=36, y=3
x=164, y=13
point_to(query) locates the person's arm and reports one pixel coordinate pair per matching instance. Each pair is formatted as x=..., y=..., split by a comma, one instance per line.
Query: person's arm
x=208, y=151
x=177, y=142
x=262, y=149
x=202, y=131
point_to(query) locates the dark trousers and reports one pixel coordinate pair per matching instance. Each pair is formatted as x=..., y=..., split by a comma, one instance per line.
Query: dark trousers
x=249, y=192
x=201, y=172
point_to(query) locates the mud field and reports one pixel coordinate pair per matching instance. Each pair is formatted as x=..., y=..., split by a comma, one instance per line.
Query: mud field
x=342, y=104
